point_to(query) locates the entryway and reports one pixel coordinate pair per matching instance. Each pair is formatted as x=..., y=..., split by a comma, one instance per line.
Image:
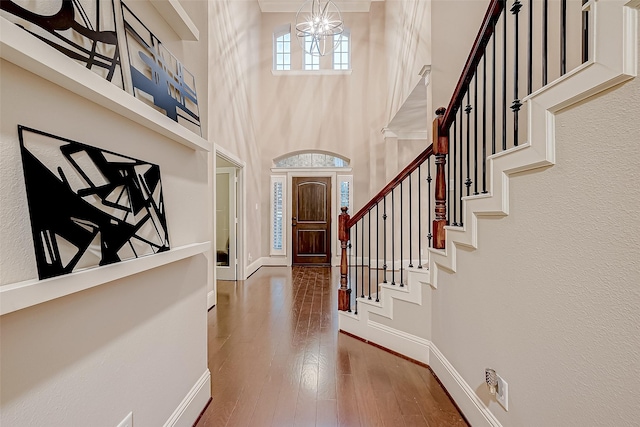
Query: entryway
x=311, y=220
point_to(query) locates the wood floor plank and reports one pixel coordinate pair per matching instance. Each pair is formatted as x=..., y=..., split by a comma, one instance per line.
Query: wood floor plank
x=276, y=359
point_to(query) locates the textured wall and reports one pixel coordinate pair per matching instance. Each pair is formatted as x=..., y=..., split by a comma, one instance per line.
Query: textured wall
x=549, y=299
x=135, y=344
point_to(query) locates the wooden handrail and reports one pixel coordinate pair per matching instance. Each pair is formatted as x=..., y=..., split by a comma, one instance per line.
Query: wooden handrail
x=422, y=157
x=487, y=29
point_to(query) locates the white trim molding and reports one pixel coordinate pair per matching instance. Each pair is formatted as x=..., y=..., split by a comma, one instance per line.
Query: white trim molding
x=177, y=18
x=193, y=403
x=16, y=296
x=474, y=409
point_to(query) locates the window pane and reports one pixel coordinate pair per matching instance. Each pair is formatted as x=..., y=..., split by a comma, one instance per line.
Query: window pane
x=282, y=51
x=344, y=194
x=277, y=215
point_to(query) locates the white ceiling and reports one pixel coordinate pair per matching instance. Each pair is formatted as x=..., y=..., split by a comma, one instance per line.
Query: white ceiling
x=294, y=5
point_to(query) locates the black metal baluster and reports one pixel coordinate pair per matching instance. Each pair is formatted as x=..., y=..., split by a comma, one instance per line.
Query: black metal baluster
x=585, y=34
x=504, y=82
x=410, y=226
x=369, y=255
x=475, y=132
x=468, y=111
x=350, y=262
x=515, y=106
x=484, y=124
x=429, y=235
x=545, y=31
x=384, y=238
x=401, y=235
x=393, y=239
x=377, y=251
x=493, y=99
x=355, y=258
x=530, y=51
x=563, y=37
x=454, y=200
x=461, y=223
x=362, y=260
x=419, y=219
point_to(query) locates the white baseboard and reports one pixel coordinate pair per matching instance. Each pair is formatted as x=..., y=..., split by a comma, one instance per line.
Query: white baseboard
x=253, y=267
x=474, y=409
x=401, y=342
x=265, y=260
x=393, y=339
x=193, y=403
x=211, y=299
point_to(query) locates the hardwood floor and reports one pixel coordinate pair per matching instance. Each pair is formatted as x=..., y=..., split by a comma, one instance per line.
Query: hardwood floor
x=276, y=359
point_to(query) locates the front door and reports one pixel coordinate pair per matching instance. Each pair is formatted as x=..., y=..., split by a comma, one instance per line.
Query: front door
x=311, y=222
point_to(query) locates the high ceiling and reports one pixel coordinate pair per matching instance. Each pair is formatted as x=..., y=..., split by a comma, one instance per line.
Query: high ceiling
x=294, y=5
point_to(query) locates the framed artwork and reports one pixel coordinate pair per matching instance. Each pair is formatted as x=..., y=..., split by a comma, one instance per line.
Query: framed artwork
x=107, y=38
x=157, y=77
x=89, y=207
x=84, y=30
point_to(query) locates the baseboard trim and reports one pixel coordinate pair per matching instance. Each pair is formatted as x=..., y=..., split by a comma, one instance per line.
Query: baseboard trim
x=474, y=409
x=265, y=261
x=191, y=406
x=388, y=350
x=253, y=267
x=412, y=346
x=211, y=299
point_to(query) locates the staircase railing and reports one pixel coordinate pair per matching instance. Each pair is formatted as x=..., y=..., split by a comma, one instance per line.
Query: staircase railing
x=484, y=117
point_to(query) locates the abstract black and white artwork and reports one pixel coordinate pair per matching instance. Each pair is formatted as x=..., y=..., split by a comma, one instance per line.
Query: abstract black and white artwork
x=84, y=30
x=158, y=78
x=88, y=206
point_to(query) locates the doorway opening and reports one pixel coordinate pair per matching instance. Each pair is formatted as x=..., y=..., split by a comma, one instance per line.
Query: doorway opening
x=228, y=216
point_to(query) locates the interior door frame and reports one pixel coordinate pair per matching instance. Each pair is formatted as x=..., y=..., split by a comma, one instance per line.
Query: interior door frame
x=311, y=173
x=233, y=223
x=241, y=214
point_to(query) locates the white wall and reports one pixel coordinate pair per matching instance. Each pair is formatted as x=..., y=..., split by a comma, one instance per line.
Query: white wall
x=337, y=113
x=408, y=41
x=549, y=299
x=135, y=344
x=234, y=110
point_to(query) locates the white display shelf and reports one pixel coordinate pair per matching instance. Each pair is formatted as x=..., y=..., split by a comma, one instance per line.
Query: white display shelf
x=22, y=49
x=16, y=296
x=177, y=18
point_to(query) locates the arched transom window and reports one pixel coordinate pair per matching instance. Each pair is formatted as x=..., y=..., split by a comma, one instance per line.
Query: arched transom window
x=311, y=160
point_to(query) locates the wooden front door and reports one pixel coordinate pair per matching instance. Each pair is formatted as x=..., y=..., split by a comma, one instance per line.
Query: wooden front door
x=311, y=220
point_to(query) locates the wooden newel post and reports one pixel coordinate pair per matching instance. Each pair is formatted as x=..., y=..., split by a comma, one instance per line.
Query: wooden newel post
x=344, y=294
x=440, y=151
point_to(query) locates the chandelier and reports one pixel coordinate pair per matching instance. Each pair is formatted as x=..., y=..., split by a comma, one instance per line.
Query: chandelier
x=319, y=27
